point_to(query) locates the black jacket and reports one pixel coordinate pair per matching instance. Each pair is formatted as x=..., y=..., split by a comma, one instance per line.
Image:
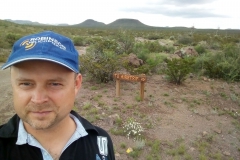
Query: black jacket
x=85, y=148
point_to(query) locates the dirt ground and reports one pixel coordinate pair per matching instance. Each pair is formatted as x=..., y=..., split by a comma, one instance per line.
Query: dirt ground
x=200, y=110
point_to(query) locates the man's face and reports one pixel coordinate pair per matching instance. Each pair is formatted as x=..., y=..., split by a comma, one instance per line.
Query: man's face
x=43, y=93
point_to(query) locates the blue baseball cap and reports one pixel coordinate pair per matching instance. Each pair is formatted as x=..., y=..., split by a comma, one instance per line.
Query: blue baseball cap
x=48, y=46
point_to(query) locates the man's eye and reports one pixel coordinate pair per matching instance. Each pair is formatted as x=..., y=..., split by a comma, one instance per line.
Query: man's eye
x=55, y=84
x=25, y=84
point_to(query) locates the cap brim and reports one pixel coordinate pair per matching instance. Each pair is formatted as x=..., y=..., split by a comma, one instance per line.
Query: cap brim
x=10, y=63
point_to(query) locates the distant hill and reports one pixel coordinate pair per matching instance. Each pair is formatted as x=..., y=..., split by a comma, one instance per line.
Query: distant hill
x=27, y=22
x=128, y=23
x=90, y=23
x=6, y=23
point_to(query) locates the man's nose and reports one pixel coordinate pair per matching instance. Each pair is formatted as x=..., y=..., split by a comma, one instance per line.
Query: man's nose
x=39, y=95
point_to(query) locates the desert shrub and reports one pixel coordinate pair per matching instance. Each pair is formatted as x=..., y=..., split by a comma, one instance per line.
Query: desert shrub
x=168, y=49
x=100, y=61
x=205, y=64
x=96, y=32
x=198, y=66
x=154, y=36
x=79, y=41
x=200, y=49
x=4, y=53
x=215, y=45
x=228, y=63
x=83, y=40
x=212, y=69
x=152, y=64
x=142, y=54
x=185, y=39
x=139, y=48
x=217, y=38
x=100, y=45
x=154, y=46
x=125, y=42
x=172, y=38
x=12, y=38
x=225, y=64
x=4, y=43
x=178, y=69
x=143, y=69
x=198, y=38
x=156, y=63
x=151, y=47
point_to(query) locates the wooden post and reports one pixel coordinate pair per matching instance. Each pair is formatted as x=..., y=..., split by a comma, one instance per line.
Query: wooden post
x=117, y=87
x=136, y=78
x=142, y=91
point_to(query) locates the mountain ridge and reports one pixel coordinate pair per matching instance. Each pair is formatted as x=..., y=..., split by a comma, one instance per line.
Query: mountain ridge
x=90, y=23
x=125, y=23
x=119, y=23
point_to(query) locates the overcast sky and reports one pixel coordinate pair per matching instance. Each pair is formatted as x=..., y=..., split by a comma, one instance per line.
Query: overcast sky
x=214, y=14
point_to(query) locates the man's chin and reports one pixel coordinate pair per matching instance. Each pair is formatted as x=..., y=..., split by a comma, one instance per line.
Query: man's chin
x=40, y=125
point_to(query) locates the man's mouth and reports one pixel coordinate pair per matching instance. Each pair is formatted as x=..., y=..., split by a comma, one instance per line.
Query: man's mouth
x=41, y=113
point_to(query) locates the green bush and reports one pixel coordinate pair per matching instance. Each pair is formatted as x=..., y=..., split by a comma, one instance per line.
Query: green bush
x=155, y=63
x=152, y=64
x=4, y=53
x=12, y=38
x=154, y=36
x=229, y=63
x=212, y=69
x=154, y=47
x=78, y=41
x=172, y=38
x=100, y=61
x=225, y=64
x=100, y=45
x=215, y=45
x=143, y=69
x=200, y=49
x=4, y=43
x=178, y=69
x=151, y=47
x=139, y=48
x=198, y=66
x=125, y=42
x=168, y=49
x=142, y=54
x=185, y=39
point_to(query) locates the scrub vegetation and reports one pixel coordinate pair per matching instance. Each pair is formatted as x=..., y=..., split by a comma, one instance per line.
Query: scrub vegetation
x=191, y=108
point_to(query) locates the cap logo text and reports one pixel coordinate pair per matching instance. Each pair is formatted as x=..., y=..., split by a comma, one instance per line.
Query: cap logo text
x=30, y=43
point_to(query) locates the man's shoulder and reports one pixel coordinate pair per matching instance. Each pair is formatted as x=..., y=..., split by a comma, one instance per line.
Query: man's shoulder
x=101, y=131
x=9, y=129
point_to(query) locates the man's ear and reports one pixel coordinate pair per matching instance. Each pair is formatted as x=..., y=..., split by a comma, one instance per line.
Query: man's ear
x=78, y=83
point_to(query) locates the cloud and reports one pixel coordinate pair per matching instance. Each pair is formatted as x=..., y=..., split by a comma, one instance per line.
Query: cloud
x=179, y=2
x=177, y=8
x=178, y=12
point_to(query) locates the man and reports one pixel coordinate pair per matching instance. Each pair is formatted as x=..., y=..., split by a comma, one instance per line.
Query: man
x=45, y=80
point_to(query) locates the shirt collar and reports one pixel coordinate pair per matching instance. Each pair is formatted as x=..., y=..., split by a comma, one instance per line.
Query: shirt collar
x=24, y=137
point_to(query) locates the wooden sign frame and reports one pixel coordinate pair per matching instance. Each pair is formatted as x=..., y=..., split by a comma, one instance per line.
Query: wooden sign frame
x=126, y=77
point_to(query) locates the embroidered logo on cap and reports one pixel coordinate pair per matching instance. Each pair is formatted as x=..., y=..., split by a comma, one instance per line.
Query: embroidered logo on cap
x=30, y=43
